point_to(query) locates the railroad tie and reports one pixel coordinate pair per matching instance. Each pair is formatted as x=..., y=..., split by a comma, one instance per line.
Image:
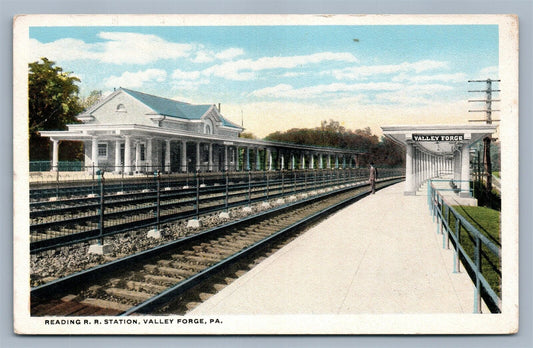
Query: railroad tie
x=128, y=294
x=162, y=279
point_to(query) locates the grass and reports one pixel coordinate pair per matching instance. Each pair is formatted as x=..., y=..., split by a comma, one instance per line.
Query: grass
x=486, y=221
x=496, y=174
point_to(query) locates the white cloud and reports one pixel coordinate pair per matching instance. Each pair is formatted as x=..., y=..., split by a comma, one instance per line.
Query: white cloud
x=185, y=75
x=244, y=69
x=126, y=48
x=287, y=91
x=359, y=72
x=203, y=57
x=490, y=72
x=457, y=77
x=229, y=53
x=136, y=79
x=118, y=48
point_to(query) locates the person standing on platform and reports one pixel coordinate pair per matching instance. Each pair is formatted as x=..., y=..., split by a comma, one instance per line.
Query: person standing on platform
x=373, y=177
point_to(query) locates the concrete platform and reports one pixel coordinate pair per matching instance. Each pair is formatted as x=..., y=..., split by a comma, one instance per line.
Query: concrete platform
x=380, y=255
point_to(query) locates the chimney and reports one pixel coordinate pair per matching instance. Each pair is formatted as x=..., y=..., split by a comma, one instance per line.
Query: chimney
x=218, y=107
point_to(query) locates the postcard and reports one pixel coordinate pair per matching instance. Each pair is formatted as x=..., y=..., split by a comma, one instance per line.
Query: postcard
x=265, y=174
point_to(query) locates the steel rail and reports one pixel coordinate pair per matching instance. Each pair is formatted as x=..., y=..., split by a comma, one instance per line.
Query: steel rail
x=67, y=283
x=84, y=236
x=170, y=294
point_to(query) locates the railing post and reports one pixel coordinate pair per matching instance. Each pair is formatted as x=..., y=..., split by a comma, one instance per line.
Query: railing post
x=92, y=181
x=227, y=193
x=456, y=259
x=249, y=187
x=101, y=213
x=447, y=229
x=57, y=183
x=158, y=201
x=477, y=290
x=197, y=174
x=282, y=183
x=267, y=184
x=294, y=181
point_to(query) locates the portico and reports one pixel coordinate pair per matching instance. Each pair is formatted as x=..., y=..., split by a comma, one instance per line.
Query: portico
x=132, y=132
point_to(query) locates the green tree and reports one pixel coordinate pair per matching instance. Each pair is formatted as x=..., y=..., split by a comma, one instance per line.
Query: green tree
x=332, y=134
x=247, y=135
x=53, y=103
x=94, y=97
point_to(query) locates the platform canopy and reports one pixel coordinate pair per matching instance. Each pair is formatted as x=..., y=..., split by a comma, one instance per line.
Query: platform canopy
x=438, y=139
x=437, y=151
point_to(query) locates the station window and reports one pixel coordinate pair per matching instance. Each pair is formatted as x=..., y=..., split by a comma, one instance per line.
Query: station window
x=208, y=126
x=121, y=108
x=142, y=152
x=102, y=150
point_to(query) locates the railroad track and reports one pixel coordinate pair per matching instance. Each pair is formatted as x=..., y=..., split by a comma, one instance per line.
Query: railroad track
x=172, y=278
x=72, y=221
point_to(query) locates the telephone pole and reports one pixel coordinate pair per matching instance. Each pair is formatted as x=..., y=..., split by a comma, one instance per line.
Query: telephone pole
x=487, y=140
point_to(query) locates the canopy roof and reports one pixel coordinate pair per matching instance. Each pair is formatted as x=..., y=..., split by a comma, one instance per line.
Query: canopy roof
x=438, y=139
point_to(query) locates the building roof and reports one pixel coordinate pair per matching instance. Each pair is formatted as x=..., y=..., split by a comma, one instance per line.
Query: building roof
x=174, y=108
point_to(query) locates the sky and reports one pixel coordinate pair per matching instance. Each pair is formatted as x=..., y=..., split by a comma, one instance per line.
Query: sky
x=274, y=78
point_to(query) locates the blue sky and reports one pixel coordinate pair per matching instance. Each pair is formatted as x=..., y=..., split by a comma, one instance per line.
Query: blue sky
x=280, y=77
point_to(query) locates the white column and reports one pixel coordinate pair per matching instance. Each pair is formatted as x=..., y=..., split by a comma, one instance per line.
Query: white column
x=183, y=148
x=410, y=188
x=237, y=154
x=465, y=171
x=210, y=157
x=94, y=152
x=137, y=156
x=282, y=162
x=328, y=164
x=127, y=154
x=293, y=161
x=320, y=163
x=312, y=161
x=167, y=156
x=198, y=164
x=55, y=154
x=226, y=158
x=257, y=159
x=269, y=152
x=148, y=155
x=117, y=156
x=302, y=161
x=456, y=165
x=247, y=158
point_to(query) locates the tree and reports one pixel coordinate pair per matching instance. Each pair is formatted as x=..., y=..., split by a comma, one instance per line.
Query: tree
x=332, y=134
x=94, y=97
x=53, y=103
x=247, y=135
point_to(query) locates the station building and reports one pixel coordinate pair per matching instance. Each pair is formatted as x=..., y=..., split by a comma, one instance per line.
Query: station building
x=134, y=132
x=438, y=151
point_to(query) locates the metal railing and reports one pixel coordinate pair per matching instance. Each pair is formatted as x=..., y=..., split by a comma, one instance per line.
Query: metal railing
x=106, y=207
x=479, y=254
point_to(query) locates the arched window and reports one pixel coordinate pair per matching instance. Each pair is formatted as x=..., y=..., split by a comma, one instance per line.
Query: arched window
x=121, y=108
x=208, y=127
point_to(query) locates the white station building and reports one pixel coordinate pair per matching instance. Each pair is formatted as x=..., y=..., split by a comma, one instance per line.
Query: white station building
x=438, y=151
x=134, y=132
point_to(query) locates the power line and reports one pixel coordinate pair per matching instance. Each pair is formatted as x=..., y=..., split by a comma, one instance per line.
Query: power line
x=488, y=113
